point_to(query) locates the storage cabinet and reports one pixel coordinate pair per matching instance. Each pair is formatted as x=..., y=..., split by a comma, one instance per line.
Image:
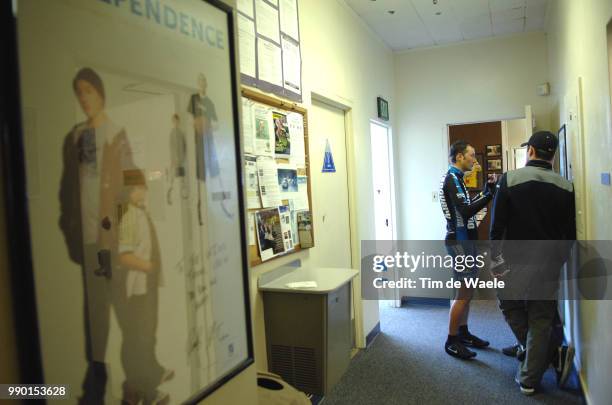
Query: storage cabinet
x=309, y=337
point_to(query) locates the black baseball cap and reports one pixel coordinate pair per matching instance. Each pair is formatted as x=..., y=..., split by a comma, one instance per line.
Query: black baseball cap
x=544, y=141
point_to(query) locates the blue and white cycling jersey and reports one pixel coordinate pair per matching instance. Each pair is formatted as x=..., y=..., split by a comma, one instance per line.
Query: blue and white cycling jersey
x=457, y=207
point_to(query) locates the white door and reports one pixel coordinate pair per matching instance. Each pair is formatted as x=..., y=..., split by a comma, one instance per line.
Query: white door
x=330, y=195
x=382, y=181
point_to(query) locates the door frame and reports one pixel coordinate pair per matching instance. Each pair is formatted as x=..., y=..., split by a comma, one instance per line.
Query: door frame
x=347, y=107
x=391, y=154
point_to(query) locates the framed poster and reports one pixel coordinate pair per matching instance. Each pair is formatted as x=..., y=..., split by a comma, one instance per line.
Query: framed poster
x=563, y=165
x=134, y=274
x=494, y=150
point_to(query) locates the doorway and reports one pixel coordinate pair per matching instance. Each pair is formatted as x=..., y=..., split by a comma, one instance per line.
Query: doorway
x=382, y=181
x=330, y=198
x=383, y=191
x=486, y=138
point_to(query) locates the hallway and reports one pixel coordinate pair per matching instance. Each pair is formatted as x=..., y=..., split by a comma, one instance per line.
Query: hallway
x=400, y=365
x=223, y=190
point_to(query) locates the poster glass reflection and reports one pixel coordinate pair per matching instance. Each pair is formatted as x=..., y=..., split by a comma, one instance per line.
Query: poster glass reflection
x=131, y=141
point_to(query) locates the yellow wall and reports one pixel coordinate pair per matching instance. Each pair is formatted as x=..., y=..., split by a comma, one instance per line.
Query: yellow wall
x=345, y=61
x=484, y=80
x=516, y=133
x=577, y=48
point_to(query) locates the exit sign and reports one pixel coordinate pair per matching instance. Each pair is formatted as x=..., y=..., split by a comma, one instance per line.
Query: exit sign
x=383, y=108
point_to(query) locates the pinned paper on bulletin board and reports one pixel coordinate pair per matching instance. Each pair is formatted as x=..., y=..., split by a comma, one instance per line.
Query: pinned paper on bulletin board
x=328, y=159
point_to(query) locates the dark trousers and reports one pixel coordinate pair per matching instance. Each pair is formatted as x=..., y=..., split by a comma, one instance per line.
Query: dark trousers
x=137, y=318
x=97, y=307
x=535, y=323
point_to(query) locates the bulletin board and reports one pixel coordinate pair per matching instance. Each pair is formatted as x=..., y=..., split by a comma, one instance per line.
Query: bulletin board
x=277, y=161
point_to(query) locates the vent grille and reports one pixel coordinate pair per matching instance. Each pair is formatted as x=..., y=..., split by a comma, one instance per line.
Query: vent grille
x=282, y=362
x=305, y=369
x=297, y=366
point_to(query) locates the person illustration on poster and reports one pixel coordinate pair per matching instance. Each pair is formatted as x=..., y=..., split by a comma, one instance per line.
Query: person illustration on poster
x=140, y=262
x=178, y=157
x=96, y=153
x=205, y=122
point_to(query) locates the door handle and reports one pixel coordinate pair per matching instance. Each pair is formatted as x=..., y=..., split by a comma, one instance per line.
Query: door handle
x=386, y=222
x=104, y=260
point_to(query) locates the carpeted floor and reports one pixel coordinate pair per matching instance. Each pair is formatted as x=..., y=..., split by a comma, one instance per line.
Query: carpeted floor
x=406, y=364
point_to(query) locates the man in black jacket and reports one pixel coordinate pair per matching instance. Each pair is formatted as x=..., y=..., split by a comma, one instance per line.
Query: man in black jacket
x=533, y=204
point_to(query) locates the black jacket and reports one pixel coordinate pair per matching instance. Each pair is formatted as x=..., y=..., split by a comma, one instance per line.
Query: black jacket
x=533, y=203
x=117, y=159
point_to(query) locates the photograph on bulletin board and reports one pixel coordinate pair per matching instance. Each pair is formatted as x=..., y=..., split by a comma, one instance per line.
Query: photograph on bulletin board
x=269, y=233
x=282, y=140
x=142, y=187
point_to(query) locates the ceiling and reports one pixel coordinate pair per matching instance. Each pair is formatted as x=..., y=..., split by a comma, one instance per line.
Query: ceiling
x=421, y=23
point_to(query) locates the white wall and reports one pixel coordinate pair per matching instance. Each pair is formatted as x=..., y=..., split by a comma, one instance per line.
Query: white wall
x=345, y=61
x=577, y=47
x=484, y=80
x=516, y=134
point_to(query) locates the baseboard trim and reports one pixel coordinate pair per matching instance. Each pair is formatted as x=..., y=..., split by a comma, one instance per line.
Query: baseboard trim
x=576, y=374
x=441, y=302
x=583, y=387
x=372, y=335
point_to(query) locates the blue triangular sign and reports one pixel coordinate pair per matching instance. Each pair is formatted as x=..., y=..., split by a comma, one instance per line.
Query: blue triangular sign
x=328, y=160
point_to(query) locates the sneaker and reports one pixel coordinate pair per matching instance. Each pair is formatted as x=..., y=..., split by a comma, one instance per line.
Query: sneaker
x=473, y=341
x=525, y=390
x=563, y=363
x=457, y=349
x=511, y=351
